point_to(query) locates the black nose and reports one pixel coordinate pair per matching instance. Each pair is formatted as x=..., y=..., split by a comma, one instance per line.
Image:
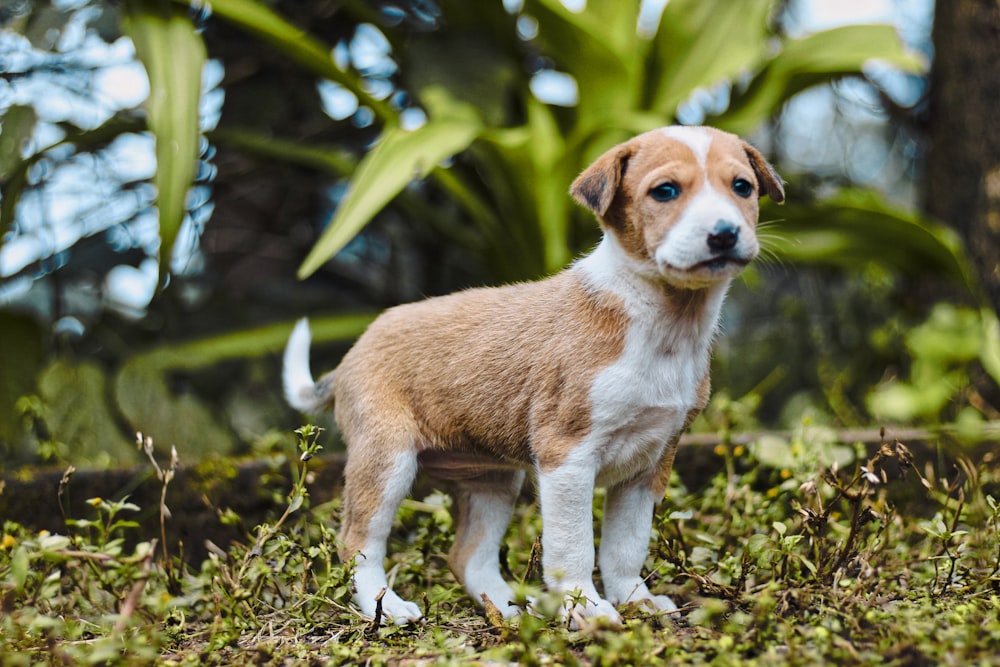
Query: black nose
x=724, y=237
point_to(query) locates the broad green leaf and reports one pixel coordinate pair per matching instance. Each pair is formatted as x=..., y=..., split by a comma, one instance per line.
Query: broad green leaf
x=247, y=343
x=551, y=181
x=79, y=414
x=857, y=226
x=16, y=127
x=300, y=46
x=21, y=356
x=905, y=401
x=818, y=58
x=148, y=405
x=399, y=157
x=516, y=247
x=700, y=44
x=20, y=565
x=950, y=335
x=990, y=354
x=579, y=46
x=333, y=161
x=618, y=22
x=173, y=54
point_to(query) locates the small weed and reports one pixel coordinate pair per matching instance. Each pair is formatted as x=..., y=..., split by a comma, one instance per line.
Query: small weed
x=773, y=562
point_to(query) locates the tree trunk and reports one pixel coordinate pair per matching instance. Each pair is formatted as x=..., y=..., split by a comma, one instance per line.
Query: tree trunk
x=963, y=166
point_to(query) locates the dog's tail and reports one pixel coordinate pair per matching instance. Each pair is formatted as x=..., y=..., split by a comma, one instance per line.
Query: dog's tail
x=300, y=388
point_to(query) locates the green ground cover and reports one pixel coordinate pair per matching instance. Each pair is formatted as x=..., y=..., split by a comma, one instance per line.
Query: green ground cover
x=777, y=560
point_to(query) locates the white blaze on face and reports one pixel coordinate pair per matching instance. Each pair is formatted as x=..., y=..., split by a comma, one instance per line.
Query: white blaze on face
x=698, y=139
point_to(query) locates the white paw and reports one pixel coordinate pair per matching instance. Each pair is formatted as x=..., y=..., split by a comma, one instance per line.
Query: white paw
x=581, y=613
x=510, y=611
x=638, y=595
x=660, y=603
x=394, y=608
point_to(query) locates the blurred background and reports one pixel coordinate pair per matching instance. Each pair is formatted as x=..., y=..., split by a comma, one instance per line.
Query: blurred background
x=181, y=181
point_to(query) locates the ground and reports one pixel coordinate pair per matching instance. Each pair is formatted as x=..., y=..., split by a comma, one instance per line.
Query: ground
x=889, y=560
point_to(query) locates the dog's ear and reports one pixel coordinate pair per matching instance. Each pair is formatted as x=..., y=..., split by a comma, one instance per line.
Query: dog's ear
x=767, y=177
x=595, y=188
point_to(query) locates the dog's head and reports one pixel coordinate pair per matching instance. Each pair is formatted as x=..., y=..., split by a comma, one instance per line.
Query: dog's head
x=682, y=201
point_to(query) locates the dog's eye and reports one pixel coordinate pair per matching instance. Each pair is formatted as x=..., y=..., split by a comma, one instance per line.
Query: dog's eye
x=665, y=192
x=742, y=187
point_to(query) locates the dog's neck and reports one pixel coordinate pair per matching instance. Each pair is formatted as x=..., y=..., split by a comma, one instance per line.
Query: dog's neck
x=680, y=313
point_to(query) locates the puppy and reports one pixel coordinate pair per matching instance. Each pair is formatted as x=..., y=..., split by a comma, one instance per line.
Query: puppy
x=584, y=379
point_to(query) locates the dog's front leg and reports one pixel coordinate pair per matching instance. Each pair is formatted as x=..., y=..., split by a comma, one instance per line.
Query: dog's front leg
x=628, y=515
x=566, y=496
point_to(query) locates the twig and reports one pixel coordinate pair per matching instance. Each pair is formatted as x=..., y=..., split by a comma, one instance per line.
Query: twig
x=132, y=600
x=165, y=476
x=63, y=483
x=377, y=621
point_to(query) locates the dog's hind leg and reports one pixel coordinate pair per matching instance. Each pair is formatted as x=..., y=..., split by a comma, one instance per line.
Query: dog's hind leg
x=484, y=506
x=373, y=491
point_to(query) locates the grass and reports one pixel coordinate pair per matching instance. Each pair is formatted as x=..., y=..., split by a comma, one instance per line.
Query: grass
x=886, y=563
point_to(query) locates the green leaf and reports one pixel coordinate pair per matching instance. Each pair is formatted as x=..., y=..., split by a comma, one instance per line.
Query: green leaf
x=950, y=335
x=856, y=226
x=399, y=157
x=79, y=414
x=700, y=43
x=300, y=46
x=812, y=60
x=904, y=402
x=551, y=180
x=331, y=160
x=148, y=405
x=582, y=45
x=16, y=127
x=173, y=54
x=21, y=357
x=20, y=565
x=990, y=352
x=247, y=343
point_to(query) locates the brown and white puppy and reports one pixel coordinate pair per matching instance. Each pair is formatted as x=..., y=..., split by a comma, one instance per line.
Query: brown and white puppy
x=584, y=379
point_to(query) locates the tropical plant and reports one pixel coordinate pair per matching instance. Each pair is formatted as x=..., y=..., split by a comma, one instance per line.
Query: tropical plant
x=490, y=166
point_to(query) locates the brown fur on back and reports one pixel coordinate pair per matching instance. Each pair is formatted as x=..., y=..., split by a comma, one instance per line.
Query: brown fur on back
x=518, y=372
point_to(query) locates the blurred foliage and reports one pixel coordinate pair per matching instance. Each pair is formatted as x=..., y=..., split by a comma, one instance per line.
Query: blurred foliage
x=475, y=189
x=942, y=349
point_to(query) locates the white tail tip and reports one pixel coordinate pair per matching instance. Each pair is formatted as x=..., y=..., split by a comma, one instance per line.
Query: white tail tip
x=300, y=389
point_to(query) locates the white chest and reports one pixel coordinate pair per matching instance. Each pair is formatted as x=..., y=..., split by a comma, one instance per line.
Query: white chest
x=640, y=402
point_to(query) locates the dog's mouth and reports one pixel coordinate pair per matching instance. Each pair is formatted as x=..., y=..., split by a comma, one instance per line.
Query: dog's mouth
x=721, y=263
x=705, y=273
